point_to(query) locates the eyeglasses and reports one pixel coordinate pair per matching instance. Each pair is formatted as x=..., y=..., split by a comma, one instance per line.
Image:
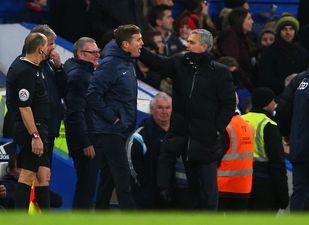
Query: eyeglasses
x=91, y=52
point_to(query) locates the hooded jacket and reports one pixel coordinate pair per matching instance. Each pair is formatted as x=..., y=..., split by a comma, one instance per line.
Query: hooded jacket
x=112, y=93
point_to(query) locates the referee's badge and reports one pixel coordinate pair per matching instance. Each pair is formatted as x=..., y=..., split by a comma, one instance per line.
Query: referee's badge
x=23, y=95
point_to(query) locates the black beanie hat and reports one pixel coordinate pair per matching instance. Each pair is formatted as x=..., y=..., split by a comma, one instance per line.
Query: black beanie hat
x=261, y=97
x=234, y=3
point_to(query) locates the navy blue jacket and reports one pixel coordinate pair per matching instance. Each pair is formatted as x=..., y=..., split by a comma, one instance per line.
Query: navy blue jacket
x=112, y=93
x=78, y=116
x=299, y=139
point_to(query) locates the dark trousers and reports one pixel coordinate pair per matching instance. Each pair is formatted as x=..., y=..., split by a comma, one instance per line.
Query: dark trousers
x=263, y=195
x=114, y=171
x=86, y=180
x=203, y=184
x=300, y=196
x=233, y=204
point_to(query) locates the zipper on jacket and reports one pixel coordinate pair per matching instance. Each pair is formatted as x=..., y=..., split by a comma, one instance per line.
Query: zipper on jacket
x=193, y=84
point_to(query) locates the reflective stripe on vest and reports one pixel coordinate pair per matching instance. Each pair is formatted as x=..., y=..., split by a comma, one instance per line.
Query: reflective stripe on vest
x=234, y=154
x=259, y=121
x=135, y=136
x=234, y=172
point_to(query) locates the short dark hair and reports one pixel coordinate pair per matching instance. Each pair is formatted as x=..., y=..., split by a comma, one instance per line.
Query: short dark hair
x=125, y=32
x=157, y=12
x=237, y=17
x=148, y=39
x=33, y=41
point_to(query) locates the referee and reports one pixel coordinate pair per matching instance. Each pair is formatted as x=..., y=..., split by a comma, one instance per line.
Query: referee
x=28, y=98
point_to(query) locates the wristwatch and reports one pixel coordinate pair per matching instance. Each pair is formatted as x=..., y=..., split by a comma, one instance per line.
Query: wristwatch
x=35, y=135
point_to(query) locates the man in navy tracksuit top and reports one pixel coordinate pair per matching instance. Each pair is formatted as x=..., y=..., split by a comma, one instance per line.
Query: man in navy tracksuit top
x=112, y=95
x=78, y=120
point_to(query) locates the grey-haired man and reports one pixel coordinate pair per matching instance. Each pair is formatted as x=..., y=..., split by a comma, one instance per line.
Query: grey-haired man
x=203, y=104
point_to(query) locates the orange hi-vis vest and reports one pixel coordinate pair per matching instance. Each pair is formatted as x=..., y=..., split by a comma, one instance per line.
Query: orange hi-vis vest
x=235, y=170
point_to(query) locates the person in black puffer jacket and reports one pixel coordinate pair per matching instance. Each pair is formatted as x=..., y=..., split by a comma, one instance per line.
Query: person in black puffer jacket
x=203, y=104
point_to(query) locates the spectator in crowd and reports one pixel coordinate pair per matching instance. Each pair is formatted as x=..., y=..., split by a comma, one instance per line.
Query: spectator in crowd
x=34, y=12
x=236, y=167
x=143, y=148
x=160, y=18
x=105, y=17
x=200, y=139
x=269, y=185
x=28, y=99
x=267, y=38
x=169, y=3
x=241, y=81
x=229, y=5
x=236, y=43
x=197, y=13
x=284, y=57
x=151, y=3
x=153, y=36
x=78, y=120
x=185, y=26
x=112, y=95
x=298, y=147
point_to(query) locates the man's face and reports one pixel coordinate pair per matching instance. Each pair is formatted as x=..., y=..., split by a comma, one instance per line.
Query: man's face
x=194, y=44
x=267, y=39
x=135, y=45
x=165, y=2
x=159, y=42
x=90, y=53
x=166, y=23
x=287, y=33
x=162, y=111
x=271, y=106
x=184, y=31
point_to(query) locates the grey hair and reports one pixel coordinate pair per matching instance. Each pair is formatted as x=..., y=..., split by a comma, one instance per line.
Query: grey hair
x=44, y=29
x=80, y=44
x=205, y=37
x=161, y=95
